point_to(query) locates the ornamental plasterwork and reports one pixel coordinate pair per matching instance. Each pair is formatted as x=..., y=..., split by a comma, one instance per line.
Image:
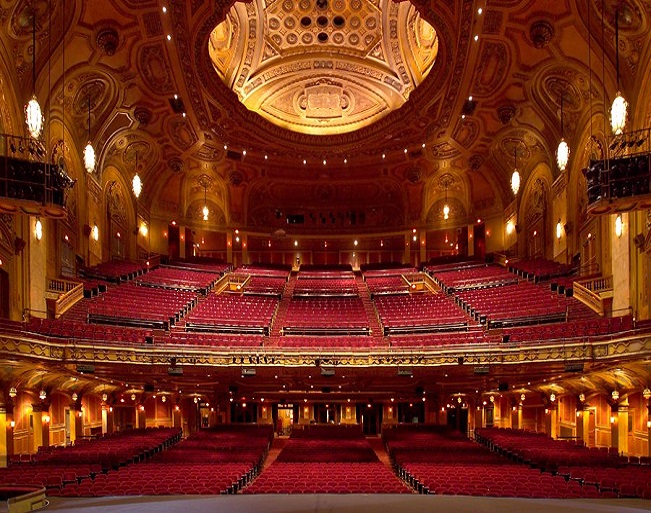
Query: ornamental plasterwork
x=326, y=66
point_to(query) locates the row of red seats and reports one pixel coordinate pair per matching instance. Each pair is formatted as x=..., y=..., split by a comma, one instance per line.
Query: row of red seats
x=332, y=312
x=210, y=462
x=539, y=268
x=325, y=286
x=233, y=310
x=433, y=459
x=473, y=277
x=174, y=278
x=386, y=284
x=418, y=310
x=116, y=270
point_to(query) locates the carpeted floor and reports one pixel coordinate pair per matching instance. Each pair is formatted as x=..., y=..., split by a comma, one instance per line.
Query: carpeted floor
x=342, y=504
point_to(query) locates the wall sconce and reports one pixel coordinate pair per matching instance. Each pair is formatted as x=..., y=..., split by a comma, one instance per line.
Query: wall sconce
x=546, y=411
x=612, y=419
x=133, y=397
x=619, y=225
x=46, y=419
x=38, y=229
x=163, y=399
x=142, y=408
x=578, y=414
x=143, y=229
x=559, y=229
x=13, y=392
x=509, y=228
x=491, y=399
x=582, y=397
x=95, y=232
x=196, y=400
x=12, y=424
x=104, y=397
x=515, y=408
x=42, y=395
x=646, y=393
x=79, y=414
x=552, y=397
x=522, y=397
x=75, y=396
x=110, y=408
x=177, y=408
x=615, y=395
x=648, y=424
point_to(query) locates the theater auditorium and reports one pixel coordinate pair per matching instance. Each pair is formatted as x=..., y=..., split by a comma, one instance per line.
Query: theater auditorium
x=276, y=255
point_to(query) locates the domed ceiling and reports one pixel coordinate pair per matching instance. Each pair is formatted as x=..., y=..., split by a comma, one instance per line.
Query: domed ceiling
x=323, y=66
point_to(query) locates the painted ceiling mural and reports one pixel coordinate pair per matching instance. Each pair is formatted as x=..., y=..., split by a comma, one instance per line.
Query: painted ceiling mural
x=321, y=96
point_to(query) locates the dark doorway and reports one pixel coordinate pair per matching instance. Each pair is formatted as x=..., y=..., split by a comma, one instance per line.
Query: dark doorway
x=4, y=294
x=173, y=246
x=479, y=240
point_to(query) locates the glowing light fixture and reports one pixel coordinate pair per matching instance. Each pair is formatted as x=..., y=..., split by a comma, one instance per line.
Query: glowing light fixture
x=205, y=210
x=136, y=183
x=38, y=229
x=515, y=177
x=646, y=393
x=619, y=225
x=563, y=151
x=509, y=227
x=619, y=109
x=75, y=396
x=559, y=229
x=13, y=392
x=95, y=232
x=89, y=151
x=552, y=397
x=615, y=395
x=33, y=112
x=42, y=395
x=104, y=397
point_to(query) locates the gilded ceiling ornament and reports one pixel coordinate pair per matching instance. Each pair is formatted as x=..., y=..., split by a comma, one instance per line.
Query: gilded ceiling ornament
x=322, y=68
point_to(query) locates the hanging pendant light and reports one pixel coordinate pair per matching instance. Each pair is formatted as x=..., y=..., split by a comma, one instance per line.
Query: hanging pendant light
x=619, y=109
x=563, y=151
x=515, y=177
x=89, y=151
x=205, y=210
x=136, y=184
x=446, y=207
x=33, y=112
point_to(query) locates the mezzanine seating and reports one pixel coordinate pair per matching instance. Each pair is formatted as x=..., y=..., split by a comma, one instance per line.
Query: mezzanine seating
x=233, y=313
x=134, y=305
x=115, y=271
x=540, y=269
x=325, y=315
x=469, y=278
x=510, y=305
x=419, y=313
x=179, y=279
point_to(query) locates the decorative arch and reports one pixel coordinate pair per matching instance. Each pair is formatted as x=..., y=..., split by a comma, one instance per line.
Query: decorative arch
x=534, y=214
x=120, y=220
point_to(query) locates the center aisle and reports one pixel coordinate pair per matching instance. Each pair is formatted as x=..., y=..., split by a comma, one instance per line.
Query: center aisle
x=327, y=459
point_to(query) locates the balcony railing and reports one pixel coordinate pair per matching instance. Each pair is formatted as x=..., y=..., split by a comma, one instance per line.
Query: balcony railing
x=597, y=293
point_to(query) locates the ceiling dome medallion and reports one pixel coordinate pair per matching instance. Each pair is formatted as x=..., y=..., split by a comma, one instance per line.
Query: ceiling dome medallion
x=541, y=33
x=325, y=67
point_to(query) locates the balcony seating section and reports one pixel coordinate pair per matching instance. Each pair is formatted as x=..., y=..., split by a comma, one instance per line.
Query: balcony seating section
x=540, y=269
x=469, y=278
x=327, y=459
x=262, y=270
x=80, y=331
x=432, y=459
x=115, y=271
x=325, y=316
x=594, y=468
x=134, y=305
x=510, y=305
x=59, y=467
x=325, y=286
x=443, y=339
x=215, y=461
x=264, y=285
x=386, y=285
x=233, y=313
x=201, y=265
x=572, y=329
x=340, y=342
x=206, y=339
x=179, y=279
x=435, y=268
x=411, y=313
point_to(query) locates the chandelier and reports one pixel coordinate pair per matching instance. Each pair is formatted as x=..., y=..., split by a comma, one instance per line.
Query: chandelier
x=33, y=113
x=205, y=210
x=89, y=151
x=136, y=183
x=515, y=177
x=619, y=109
x=563, y=151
